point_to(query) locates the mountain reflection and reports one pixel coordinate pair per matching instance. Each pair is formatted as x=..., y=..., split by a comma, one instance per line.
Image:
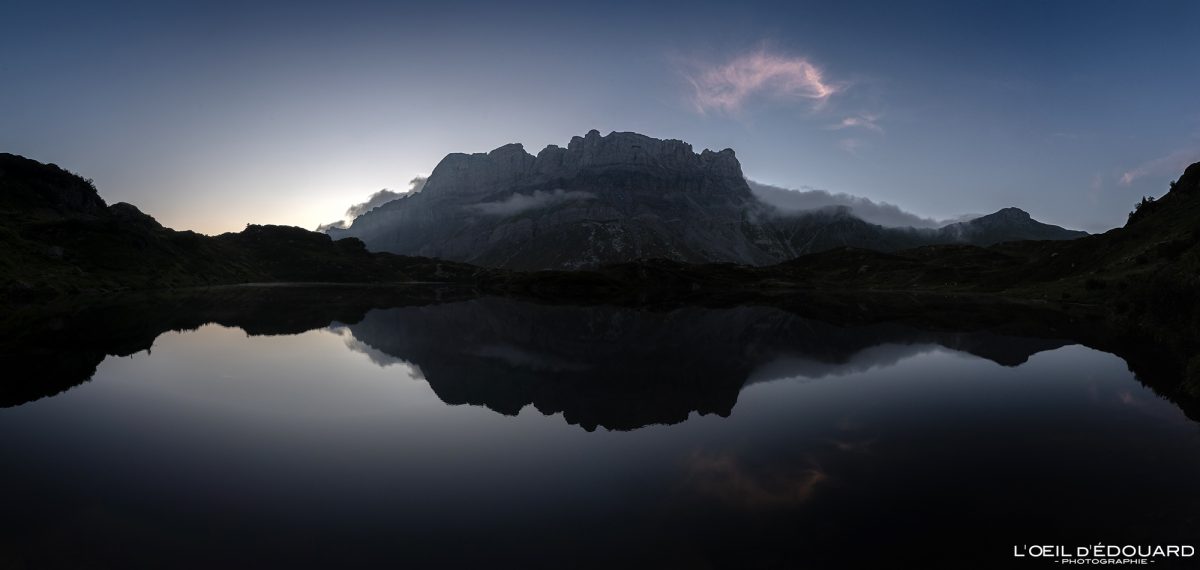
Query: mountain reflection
x=856, y=431
x=625, y=368
x=616, y=367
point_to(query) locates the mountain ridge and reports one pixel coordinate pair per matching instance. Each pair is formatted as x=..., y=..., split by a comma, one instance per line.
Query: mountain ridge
x=600, y=199
x=626, y=196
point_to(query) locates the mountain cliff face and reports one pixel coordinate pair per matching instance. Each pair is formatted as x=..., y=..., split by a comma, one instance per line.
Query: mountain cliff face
x=602, y=199
x=623, y=197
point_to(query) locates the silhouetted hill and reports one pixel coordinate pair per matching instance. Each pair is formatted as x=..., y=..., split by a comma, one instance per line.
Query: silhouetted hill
x=36, y=190
x=59, y=236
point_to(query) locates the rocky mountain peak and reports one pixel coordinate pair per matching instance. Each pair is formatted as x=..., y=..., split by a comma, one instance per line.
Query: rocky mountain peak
x=629, y=149
x=512, y=152
x=1011, y=214
x=1008, y=224
x=482, y=173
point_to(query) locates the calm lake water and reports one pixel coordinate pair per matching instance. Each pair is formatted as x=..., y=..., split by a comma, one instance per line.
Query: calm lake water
x=500, y=433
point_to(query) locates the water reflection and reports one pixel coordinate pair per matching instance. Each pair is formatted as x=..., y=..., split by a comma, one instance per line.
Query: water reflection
x=613, y=367
x=742, y=436
x=625, y=368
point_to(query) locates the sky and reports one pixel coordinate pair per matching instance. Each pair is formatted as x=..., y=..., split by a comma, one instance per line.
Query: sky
x=212, y=115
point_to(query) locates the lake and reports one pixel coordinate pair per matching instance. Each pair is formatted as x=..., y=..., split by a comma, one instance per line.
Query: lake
x=492, y=432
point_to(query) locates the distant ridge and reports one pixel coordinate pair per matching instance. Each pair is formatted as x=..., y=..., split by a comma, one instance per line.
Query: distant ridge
x=1008, y=224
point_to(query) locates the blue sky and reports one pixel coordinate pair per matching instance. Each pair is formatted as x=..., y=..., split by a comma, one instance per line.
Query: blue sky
x=213, y=115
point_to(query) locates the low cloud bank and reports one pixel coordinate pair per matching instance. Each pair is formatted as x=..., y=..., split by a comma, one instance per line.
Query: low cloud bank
x=518, y=203
x=807, y=199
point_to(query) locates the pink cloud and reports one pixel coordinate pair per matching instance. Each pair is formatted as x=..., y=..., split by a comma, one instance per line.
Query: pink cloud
x=727, y=88
x=723, y=477
x=1170, y=165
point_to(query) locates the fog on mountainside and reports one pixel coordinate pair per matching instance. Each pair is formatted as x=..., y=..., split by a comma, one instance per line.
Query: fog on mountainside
x=807, y=199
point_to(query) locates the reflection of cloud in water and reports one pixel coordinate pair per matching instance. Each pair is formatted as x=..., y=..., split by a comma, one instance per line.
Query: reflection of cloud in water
x=796, y=367
x=1153, y=406
x=862, y=446
x=723, y=477
x=521, y=358
x=377, y=357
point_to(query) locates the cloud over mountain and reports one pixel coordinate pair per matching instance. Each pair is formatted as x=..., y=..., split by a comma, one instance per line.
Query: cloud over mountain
x=518, y=203
x=373, y=201
x=808, y=198
x=1162, y=166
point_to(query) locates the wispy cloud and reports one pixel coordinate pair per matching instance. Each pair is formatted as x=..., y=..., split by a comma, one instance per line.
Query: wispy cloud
x=518, y=203
x=862, y=121
x=729, y=87
x=1169, y=165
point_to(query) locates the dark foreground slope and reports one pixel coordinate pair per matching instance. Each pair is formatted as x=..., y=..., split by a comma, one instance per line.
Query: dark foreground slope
x=58, y=236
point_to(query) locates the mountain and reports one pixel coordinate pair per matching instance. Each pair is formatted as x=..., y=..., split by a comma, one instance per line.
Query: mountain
x=1142, y=279
x=623, y=197
x=620, y=197
x=1009, y=224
